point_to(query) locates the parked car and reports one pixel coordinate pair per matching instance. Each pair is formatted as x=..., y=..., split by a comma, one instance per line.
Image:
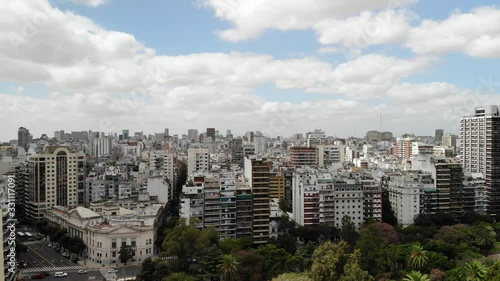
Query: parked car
x=38, y=276
x=113, y=271
x=82, y=271
x=60, y=274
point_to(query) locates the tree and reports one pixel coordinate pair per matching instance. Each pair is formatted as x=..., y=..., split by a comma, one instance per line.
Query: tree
x=485, y=236
x=352, y=270
x=283, y=205
x=251, y=265
x=493, y=273
x=348, y=231
x=326, y=260
x=228, y=268
x=416, y=276
x=179, y=276
x=292, y=277
x=126, y=253
x=418, y=257
x=147, y=270
x=474, y=271
x=187, y=244
x=287, y=242
x=437, y=275
x=274, y=260
x=378, y=255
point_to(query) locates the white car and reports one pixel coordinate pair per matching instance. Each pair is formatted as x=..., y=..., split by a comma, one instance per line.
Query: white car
x=60, y=274
x=82, y=271
x=113, y=271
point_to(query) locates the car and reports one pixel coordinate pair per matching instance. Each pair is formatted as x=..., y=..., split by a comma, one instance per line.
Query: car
x=82, y=271
x=37, y=276
x=60, y=274
x=45, y=273
x=113, y=271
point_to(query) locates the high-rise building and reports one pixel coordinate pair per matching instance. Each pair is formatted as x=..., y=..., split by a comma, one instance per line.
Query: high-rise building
x=260, y=143
x=330, y=154
x=167, y=133
x=198, y=160
x=438, y=135
x=101, y=147
x=193, y=135
x=125, y=134
x=450, y=140
x=303, y=156
x=404, y=147
x=228, y=134
x=56, y=178
x=480, y=150
x=211, y=133
x=23, y=137
x=236, y=150
x=257, y=172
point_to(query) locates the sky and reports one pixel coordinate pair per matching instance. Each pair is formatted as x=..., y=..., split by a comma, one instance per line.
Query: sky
x=280, y=67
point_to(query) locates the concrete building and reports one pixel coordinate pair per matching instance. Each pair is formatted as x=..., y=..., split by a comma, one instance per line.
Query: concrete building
x=193, y=135
x=260, y=143
x=418, y=148
x=236, y=150
x=101, y=147
x=257, y=174
x=211, y=133
x=438, y=135
x=56, y=178
x=479, y=152
x=303, y=156
x=23, y=138
x=198, y=160
x=110, y=228
x=276, y=186
x=404, y=147
x=450, y=140
x=405, y=196
x=330, y=154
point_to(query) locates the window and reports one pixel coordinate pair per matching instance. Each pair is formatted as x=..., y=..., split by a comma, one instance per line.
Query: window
x=113, y=254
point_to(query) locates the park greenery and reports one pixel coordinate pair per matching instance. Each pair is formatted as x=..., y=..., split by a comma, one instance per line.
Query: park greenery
x=435, y=248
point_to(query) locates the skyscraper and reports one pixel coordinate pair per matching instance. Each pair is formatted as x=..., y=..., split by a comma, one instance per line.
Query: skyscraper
x=438, y=135
x=56, y=178
x=480, y=150
x=257, y=172
x=125, y=134
x=23, y=137
x=193, y=135
x=211, y=133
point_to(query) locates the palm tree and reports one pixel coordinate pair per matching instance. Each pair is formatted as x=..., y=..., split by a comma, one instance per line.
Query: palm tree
x=474, y=271
x=486, y=236
x=416, y=276
x=228, y=267
x=418, y=257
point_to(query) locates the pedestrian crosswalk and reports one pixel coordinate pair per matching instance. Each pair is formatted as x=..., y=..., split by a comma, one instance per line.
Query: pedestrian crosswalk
x=50, y=269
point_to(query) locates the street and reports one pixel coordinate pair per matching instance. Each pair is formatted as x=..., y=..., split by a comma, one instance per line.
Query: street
x=40, y=255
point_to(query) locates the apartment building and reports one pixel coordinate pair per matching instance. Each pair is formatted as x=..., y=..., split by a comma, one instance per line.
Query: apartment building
x=198, y=160
x=480, y=150
x=56, y=178
x=303, y=156
x=330, y=154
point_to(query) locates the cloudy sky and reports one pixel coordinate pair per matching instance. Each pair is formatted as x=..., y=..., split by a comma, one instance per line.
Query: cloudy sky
x=278, y=66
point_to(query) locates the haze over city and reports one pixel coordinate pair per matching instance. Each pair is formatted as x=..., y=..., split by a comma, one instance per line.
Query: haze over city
x=246, y=65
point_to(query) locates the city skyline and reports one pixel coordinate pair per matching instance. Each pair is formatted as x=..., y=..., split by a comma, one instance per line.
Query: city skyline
x=242, y=65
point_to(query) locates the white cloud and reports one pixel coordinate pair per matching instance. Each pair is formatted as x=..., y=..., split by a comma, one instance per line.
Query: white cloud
x=252, y=18
x=92, y=3
x=476, y=33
